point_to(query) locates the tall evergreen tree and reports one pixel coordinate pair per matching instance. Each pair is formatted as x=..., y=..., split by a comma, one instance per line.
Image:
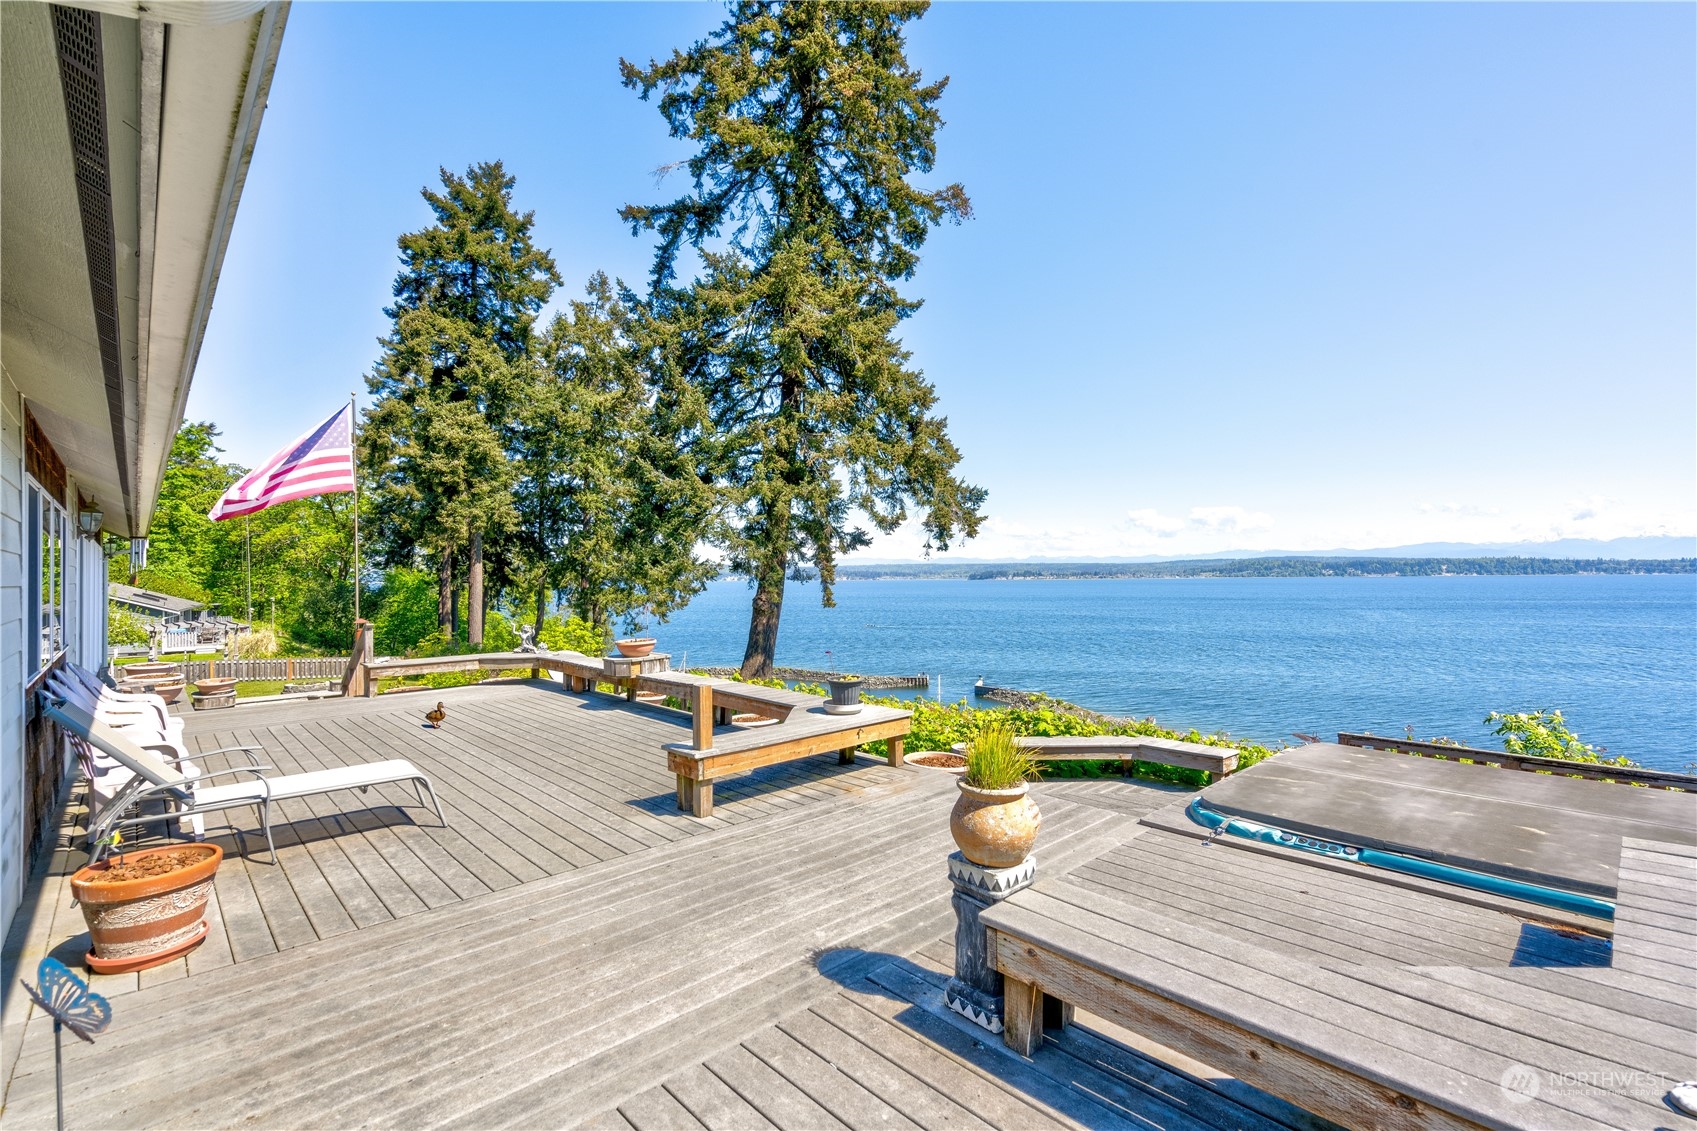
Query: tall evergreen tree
x=452, y=375
x=808, y=122
x=613, y=495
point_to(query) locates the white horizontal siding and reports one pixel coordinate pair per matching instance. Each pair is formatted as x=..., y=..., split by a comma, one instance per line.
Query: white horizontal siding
x=14, y=833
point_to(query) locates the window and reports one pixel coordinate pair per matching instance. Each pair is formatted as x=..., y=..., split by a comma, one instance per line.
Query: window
x=48, y=528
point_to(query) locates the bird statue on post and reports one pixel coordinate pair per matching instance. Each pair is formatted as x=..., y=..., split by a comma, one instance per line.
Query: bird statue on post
x=434, y=718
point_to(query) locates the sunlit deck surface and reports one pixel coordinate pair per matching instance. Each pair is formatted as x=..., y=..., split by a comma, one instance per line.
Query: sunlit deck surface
x=573, y=951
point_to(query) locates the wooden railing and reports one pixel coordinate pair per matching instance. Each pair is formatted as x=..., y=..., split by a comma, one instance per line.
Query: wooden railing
x=1655, y=779
x=300, y=667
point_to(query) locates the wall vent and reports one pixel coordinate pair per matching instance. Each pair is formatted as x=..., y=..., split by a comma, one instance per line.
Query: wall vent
x=76, y=34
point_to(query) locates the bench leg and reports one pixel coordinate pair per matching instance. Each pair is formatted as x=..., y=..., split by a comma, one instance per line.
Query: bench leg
x=1022, y=1016
x=683, y=792
x=896, y=748
x=701, y=797
x=845, y=756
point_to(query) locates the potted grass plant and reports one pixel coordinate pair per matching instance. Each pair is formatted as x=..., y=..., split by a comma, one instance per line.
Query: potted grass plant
x=994, y=821
x=845, y=694
x=147, y=907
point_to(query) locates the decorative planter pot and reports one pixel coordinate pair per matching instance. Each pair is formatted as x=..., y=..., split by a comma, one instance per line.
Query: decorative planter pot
x=845, y=696
x=995, y=828
x=151, y=670
x=214, y=686
x=939, y=760
x=635, y=646
x=169, y=690
x=138, y=923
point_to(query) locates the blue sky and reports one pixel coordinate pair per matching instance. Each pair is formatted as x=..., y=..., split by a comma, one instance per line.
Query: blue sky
x=1292, y=276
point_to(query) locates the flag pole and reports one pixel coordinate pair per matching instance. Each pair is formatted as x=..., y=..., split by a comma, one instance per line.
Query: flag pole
x=353, y=427
x=247, y=555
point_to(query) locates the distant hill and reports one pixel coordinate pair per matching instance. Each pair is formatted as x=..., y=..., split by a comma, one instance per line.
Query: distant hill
x=1288, y=566
x=1587, y=549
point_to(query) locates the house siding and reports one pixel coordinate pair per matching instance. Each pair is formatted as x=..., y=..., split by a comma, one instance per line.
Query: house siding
x=15, y=825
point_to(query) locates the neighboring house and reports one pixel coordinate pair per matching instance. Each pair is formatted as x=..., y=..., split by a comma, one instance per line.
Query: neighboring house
x=125, y=136
x=155, y=606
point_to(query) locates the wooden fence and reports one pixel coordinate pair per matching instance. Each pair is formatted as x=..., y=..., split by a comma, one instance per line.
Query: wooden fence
x=289, y=670
x=1634, y=775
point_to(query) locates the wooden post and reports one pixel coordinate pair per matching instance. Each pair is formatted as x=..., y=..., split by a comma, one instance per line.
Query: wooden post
x=896, y=747
x=211, y=669
x=701, y=717
x=359, y=664
x=288, y=670
x=845, y=756
x=701, y=797
x=1022, y=1016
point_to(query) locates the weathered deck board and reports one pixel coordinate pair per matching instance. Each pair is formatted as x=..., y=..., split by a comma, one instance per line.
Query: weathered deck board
x=641, y=922
x=574, y=951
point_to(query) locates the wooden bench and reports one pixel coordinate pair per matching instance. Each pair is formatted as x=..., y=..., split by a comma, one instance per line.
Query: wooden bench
x=1217, y=760
x=1378, y=1044
x=807, y=730
x=730, y=697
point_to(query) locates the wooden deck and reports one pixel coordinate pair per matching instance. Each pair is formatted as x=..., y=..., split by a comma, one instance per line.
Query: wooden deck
x=573, y=950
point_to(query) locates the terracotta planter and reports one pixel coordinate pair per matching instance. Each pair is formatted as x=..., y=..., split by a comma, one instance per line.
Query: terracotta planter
x=168, y=690
x=995, y=828
x=214, y=686
x=150, y=670
x=635, y=647
x=140, y=923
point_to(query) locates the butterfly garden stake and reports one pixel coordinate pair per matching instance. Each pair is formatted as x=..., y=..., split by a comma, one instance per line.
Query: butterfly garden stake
x=67, y=999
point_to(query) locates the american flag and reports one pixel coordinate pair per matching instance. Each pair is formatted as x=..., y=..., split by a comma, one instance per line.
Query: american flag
x=319, y=463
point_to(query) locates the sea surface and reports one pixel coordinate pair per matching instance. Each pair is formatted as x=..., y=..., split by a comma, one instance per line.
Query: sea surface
x=1263, y=658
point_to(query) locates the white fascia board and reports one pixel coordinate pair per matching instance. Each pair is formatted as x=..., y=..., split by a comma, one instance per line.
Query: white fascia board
x=215, y=77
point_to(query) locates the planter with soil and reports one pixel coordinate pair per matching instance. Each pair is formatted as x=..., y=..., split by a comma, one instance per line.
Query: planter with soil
x=220, y=686
x=635, y=647
x=939, y=760
x=147, y=907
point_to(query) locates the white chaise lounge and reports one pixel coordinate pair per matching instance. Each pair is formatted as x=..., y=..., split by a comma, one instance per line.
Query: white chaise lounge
x=189, y=794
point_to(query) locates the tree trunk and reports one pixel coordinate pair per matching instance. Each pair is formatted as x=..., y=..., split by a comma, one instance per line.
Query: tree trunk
x=763, y=620
x=474, y=592
x=445, y=594
x=541, y=612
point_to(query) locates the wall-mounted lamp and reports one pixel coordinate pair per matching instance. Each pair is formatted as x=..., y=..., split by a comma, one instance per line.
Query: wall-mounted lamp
x=89, y=520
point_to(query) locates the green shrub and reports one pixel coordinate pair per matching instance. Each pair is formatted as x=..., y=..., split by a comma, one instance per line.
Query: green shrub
x=499, y=635
x=406, y=611
x=573, y=635
x=124, y=627
x=1545, y=734
x=938, y=726
x=172, y=585
x=994, y=760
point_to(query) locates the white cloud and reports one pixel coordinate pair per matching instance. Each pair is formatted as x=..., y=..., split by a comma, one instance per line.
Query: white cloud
x=1229, y=519
x=1154, y=522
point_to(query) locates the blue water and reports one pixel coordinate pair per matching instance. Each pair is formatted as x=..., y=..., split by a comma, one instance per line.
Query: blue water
x=1263, y=658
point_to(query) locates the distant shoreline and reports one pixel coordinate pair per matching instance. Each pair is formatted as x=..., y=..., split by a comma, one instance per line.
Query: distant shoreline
x=1271, y=567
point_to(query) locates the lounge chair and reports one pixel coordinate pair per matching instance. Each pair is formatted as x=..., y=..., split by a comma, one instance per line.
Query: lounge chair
x=107, y=777
x=156, y=780
x=122, y=702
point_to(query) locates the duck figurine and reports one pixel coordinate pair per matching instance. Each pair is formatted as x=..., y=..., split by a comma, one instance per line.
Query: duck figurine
x=434, y=718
